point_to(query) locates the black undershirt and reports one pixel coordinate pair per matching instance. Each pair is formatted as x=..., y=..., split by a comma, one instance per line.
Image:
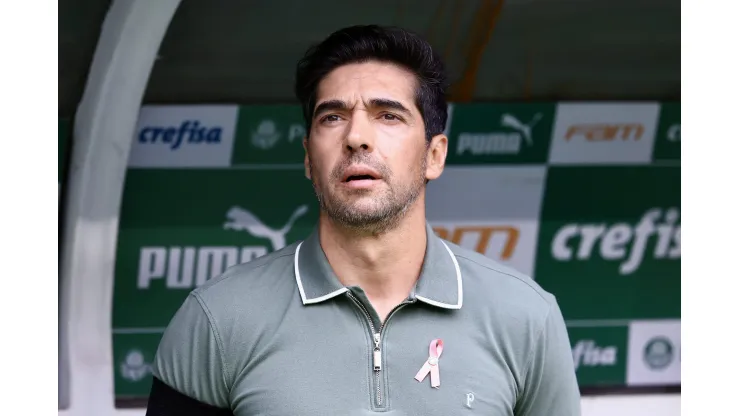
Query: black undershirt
x=166, y=401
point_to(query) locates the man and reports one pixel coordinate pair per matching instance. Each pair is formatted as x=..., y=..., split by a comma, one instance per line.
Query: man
x=372, y=312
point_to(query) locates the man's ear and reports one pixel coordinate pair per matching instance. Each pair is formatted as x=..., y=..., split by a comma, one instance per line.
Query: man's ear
x=306, y=164
x=436, y=156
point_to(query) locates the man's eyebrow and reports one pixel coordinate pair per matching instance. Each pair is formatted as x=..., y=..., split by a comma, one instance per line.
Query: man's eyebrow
x=390, y=104
x=329, y=106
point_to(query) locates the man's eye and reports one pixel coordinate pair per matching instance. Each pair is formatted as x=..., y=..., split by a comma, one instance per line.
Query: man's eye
x=390, y=117
x=330, y=118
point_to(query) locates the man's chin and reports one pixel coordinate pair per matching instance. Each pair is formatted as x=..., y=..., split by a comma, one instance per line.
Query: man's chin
x=362, y=199
x=365, y=215
x=368, y=209
x=363, y=222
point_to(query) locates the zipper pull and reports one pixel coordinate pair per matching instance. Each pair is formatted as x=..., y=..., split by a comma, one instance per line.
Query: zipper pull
x=376, y=353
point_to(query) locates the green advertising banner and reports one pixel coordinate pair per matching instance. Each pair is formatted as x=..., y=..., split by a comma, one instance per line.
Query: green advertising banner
x=614, y=230
x=483, y=133
x=269, y=135
x=193, y=225
x=584, y=197
x=668, y=138
x=599, y=355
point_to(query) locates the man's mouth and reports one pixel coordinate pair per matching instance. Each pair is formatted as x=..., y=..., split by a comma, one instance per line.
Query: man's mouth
x=359, y=178
x=359, y=173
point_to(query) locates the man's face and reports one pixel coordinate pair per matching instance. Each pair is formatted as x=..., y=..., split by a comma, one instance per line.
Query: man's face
x=367, y=155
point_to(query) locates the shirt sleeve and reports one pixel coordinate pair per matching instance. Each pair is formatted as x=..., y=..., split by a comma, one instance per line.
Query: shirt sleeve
x=190, y=357
x=550, y=387
x=165, y=401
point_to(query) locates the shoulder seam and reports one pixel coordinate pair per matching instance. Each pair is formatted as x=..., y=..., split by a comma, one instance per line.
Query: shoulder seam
x=219, y=341
x=507, y=274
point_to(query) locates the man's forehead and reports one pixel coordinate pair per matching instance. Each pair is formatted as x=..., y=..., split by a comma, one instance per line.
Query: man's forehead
x=358, y=84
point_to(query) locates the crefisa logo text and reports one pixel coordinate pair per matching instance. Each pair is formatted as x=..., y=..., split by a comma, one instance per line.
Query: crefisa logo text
x=188, y=132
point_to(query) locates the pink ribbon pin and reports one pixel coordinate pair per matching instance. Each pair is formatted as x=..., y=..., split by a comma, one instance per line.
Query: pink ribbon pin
x=432, y=363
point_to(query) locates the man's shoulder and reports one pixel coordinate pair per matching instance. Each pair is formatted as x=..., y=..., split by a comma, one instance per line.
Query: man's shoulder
x=491, y=283
x=268, y=276
x=232, y=308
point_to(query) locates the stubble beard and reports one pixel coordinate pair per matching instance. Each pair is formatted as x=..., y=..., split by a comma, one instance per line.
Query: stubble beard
x=388, y=208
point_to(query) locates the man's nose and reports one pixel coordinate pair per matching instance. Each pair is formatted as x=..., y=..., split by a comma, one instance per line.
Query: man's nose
x=360, y=134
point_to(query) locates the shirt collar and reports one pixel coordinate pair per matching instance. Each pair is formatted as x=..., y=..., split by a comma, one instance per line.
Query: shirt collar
x=440, y=282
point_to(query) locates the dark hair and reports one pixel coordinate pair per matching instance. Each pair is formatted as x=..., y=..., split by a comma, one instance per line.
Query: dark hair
x=358, y=44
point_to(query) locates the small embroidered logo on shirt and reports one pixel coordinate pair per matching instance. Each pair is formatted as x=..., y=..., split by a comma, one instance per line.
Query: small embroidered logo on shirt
x=431, y=366
x=469, y=399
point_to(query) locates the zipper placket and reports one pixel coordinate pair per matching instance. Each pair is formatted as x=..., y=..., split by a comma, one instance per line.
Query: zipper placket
x=377, y=353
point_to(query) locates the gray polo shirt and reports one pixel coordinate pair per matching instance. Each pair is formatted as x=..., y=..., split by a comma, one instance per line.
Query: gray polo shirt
x=281, y=335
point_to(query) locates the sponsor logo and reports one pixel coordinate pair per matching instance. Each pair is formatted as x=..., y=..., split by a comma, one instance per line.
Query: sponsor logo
x=606, y=132
x=658, y=353
x=587, y=353
x=266, y=135
x=623, y=242
x=674, y=133
x=479, y=238
x=134, y=367
x=188, y=132
x=183, y=136
x=654, y=356
x=187, y=267
x=507, y=141
x=240, y=219
x=668, y=147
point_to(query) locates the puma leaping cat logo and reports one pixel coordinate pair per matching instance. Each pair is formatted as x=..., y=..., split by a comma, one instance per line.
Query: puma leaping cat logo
x=508, y=120
x=242, y=220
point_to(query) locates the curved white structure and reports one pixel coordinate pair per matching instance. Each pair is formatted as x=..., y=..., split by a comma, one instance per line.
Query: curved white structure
x=103, y=130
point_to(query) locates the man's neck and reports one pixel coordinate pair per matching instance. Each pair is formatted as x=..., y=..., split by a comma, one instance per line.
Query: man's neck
x=385, y=266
